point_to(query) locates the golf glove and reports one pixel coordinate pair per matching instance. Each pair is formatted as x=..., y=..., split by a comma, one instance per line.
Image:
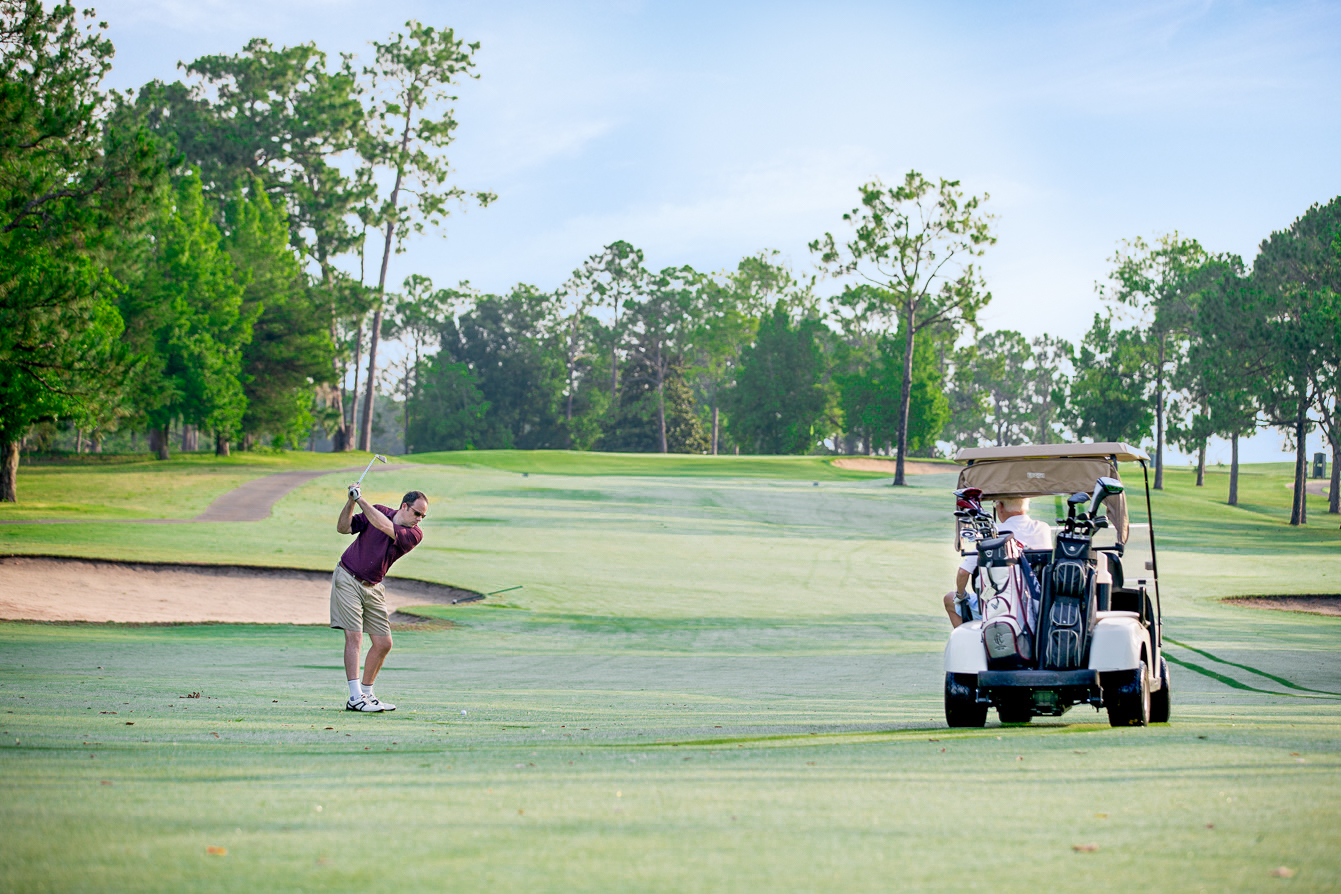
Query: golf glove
x=354, y=492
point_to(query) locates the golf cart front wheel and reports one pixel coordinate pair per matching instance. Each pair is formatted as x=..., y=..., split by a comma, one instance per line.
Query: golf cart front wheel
x=961, y=701
x=1128, y=699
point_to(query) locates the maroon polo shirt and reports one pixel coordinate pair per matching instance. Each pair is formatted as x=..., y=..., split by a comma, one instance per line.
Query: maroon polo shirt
x=372, y=552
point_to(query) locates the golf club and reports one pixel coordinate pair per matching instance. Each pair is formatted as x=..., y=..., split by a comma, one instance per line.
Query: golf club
x=377, y=457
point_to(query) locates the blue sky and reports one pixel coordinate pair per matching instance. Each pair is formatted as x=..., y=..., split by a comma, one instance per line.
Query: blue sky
x=703, y=132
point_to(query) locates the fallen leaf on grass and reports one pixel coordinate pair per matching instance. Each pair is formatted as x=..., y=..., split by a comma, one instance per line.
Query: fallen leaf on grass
x=1210, y=825
x=106, y=782
x=1282, y=872
x=1101, y=816
x=106, y=712
x=130, y=723
x=1084, y=848
x=216, y=851
x=216, y=735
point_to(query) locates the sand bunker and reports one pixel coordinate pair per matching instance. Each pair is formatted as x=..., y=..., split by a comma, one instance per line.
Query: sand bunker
x=878, y=464
x=1318, y=604
x=54, y=589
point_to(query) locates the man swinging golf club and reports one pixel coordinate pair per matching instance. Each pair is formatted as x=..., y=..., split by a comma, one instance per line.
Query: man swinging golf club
x=358, y=599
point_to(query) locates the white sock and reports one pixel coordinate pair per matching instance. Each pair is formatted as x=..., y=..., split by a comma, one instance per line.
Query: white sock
x=354, y=692
x=367, y=689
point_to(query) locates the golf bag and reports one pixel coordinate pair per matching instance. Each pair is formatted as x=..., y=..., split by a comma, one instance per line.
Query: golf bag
x=1069, y=605
x=1008, y=593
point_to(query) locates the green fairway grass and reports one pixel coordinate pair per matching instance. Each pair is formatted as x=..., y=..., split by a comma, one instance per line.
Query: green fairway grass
x=111, y=486
x=713, y=678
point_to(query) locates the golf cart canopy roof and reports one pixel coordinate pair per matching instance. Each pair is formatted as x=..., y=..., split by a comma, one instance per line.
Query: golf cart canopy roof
x=1040, y=470
x=1123, y=453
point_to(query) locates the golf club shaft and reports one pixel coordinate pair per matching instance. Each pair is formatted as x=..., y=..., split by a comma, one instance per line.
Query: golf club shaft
x=375, y=458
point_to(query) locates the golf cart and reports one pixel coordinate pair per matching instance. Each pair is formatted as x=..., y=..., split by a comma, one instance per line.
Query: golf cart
x=1065, y=626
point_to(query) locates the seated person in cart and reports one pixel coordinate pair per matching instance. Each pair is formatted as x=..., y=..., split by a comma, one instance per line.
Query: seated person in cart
x=1012, y=516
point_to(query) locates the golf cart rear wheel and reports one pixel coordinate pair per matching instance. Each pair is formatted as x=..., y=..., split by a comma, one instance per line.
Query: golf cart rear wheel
x=1129, y=701
x=1159, y=701
x=961, y=701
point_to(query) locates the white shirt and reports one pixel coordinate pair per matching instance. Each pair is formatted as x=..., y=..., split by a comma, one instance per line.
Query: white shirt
x=1030, y=532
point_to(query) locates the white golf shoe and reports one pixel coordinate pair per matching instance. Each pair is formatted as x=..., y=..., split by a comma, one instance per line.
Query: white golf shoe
x=381, y=705
x=366, y=705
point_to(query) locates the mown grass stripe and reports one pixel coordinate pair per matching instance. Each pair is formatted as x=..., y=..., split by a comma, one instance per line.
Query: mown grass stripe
x=1261, y=673
x=1235, y=684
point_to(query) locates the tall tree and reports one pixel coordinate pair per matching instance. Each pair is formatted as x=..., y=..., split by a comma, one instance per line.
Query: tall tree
x=289, y=118
x=506, y=343
x=1048, y=381
x=1110, y=394
x=1299, y=278
x=290, y=350
x=184, y=313
x=661, y=328
x=613, y=279
x=1227, y=354
x=416, y=319
x=1158, y=282
x=869, y=397
x=729, y=309
x=916, y=242
x=72, y=182
x=779, y=401
x=410, y=126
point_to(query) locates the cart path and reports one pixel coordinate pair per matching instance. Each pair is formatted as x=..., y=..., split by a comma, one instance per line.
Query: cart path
x=255, y=500
x=252, y=501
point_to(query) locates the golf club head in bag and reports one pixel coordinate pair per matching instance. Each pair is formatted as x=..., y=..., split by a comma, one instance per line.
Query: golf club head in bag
x=1103, y=489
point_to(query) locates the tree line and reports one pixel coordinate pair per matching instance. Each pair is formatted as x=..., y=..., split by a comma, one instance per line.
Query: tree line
x=175, y=256
x=172, y=255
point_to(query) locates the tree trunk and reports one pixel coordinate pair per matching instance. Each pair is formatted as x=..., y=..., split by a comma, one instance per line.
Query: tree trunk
x=79, y=440
x=905, y=399
x=365, y=435
x=715, y=425
x=9, y=471
x=661, y=400
x=158, y=442
x=1234, y=470
x=1334, y=484
x=661, y=413
x=1201, y=465
x=354, y=425
x=1299, y=507
x=370, y=387
x=1334, y=488
x=220, y=444
x=1159, y=419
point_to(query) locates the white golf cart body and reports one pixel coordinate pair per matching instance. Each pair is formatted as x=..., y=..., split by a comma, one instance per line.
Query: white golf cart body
x=1121, y=667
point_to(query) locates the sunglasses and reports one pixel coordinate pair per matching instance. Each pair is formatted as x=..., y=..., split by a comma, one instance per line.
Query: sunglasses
x=417, y=513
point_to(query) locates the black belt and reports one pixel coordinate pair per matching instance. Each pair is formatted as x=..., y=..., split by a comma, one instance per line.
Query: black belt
x=366, y=583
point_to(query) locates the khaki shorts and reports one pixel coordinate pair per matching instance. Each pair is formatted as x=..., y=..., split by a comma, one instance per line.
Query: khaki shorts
x=356, y=606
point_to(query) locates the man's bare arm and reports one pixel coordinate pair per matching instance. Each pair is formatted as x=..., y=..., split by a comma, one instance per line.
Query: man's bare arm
x=342, y=524
x=377, y=519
